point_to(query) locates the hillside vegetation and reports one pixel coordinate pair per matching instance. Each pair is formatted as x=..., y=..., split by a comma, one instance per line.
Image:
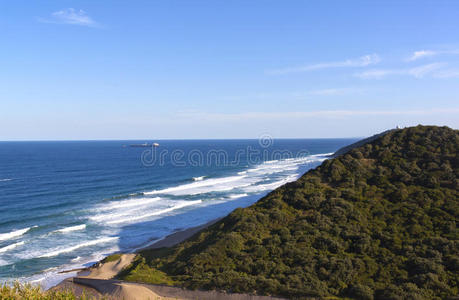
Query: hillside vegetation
x=376, y=223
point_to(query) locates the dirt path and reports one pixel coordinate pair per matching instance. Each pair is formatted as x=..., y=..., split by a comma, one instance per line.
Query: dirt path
x=115, y=289
x=110, y=269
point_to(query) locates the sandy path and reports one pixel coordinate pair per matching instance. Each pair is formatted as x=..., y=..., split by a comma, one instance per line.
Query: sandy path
x=100, y=277
x=114, y=289
x=109, y=270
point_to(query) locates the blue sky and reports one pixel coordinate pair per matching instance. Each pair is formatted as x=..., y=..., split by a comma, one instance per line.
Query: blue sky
x=225, y=69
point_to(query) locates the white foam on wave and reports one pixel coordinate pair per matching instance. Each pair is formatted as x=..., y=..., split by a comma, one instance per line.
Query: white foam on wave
x=325, y=155
x=10, y=247
x=213, y=185
x=221, y=187
x=103, y=217
x=73, y=248
x=124, y=208
x=235, y=196
x=53, y=276
x=128, y=203
x=270, y=186
x=71, y=228
x=254, y=180
x=155, y=213
x=14, y=234
x=197, y=184
x=279, y=167
x=198, y=178
x=5, y=179
x=270, y=161
x=268, y=170
x=250, y=178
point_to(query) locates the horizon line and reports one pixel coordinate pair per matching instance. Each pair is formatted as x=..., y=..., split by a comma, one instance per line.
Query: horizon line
x=175, y=139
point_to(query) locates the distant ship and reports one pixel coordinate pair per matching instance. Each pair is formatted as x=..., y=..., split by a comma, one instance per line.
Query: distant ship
x=144, y=145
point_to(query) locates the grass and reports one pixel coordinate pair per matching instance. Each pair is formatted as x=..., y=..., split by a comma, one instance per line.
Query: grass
x=110, y=258
x=27, y=291
x=145, y=274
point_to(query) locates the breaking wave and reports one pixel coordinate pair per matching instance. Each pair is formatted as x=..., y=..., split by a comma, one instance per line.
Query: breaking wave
x=14, y=234
x=73, y=248
x=10, y=247
x=71, y=228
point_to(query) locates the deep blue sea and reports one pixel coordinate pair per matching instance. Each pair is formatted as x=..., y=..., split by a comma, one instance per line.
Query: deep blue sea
x=65, y=205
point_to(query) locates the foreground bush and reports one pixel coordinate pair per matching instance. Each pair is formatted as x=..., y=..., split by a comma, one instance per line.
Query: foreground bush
x=27, y=291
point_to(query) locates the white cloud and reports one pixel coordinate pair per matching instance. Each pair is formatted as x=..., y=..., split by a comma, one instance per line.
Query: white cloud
x=421, y=71
x=70, y=16
x=429, y=53
x=422, y=53
x=417, y=72
x=363, y=61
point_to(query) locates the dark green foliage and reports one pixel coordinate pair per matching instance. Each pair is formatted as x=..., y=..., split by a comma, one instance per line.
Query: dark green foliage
x=378, y=222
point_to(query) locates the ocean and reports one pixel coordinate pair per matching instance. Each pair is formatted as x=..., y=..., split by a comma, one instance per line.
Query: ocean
x=68, y=204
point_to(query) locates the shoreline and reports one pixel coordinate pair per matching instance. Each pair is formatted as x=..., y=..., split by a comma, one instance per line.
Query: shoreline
x=167, y=241
x=173, y=231
x=98, y=280
x=176, y=237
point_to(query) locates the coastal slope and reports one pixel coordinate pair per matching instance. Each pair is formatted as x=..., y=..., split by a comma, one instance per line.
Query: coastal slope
x=378, y=222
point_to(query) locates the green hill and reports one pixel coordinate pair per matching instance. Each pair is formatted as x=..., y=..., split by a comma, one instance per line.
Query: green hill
x=377, y=222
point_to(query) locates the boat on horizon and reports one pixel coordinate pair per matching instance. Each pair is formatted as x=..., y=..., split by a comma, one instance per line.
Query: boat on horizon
x=144, y=145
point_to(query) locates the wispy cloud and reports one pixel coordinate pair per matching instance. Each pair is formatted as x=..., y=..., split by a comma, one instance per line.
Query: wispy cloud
x=430, y=53
x=421, y=54
x=363, y=61
x=421, y=71
x=70, y=16
x=417, y=72
x=336, y=92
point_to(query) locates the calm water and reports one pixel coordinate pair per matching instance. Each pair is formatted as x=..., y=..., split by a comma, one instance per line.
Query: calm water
x=67, y=204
